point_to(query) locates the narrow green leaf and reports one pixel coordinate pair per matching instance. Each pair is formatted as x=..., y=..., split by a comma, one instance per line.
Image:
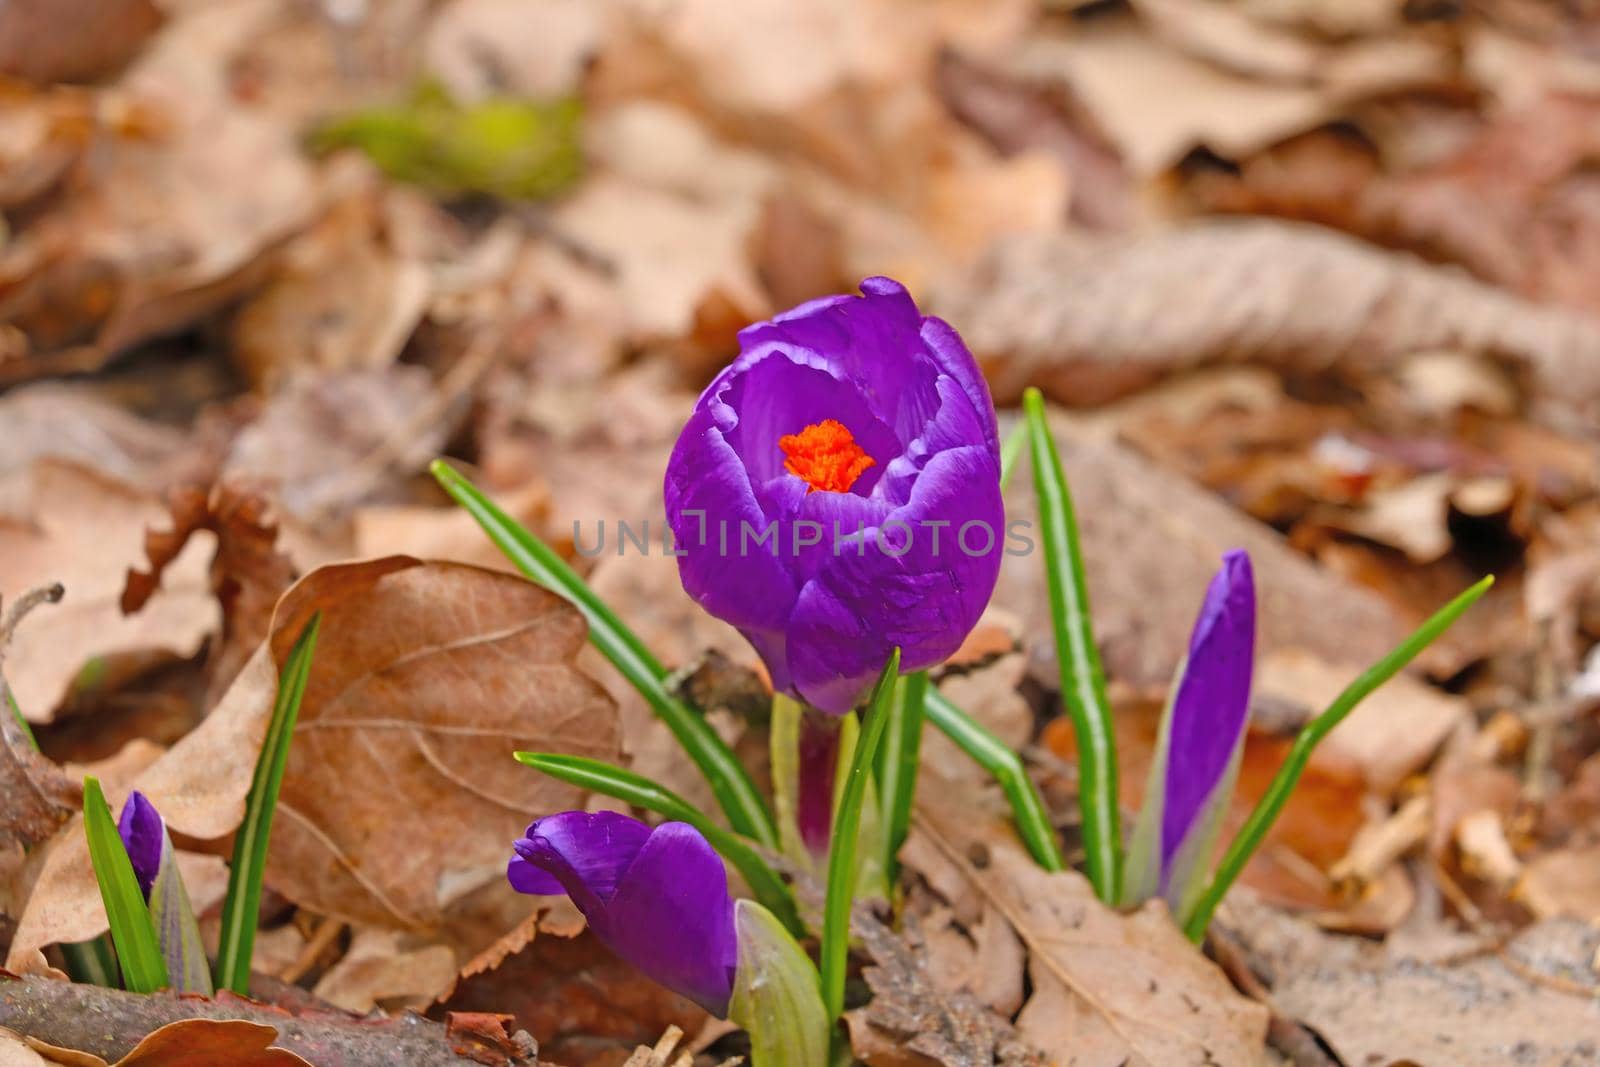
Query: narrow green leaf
x=776, y=995
x=872, y=878
x=898, y=761
x=1141, y=869
x=1266, y=811
x=842, y=853
x=996, y=757
x=730, y=782
x=639, y=791
x=143, y=969
x=241, y=908
x=91, y=962
x=1083, y=683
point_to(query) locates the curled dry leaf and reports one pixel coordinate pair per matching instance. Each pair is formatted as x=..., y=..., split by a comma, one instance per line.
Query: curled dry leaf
x=85, y=530
x=1108, y=990
x=248, y=574
x=401, y=794
x=1051, y=310
x=105, y=35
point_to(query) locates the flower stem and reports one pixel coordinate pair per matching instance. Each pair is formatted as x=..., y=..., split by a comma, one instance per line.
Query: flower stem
x=835, y=951
x=730, y=783
x=1271, y=804
x=996, y=757
x=1083, y=684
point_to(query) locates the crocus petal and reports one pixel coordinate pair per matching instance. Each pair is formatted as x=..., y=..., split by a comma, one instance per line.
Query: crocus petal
x=579, y=853
x=907, y=590
x=143, y=834
x=658, y=898
x=672, y=917
x=1211, y=708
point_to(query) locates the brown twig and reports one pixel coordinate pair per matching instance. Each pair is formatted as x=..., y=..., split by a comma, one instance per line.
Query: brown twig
x=109, y=1023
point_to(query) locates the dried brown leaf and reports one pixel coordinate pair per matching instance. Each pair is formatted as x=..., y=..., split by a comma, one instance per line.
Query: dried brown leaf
x=86, y=530
x=913, y=1022
x=248, y=574
x=1151, y=542
x=1108, y=989
x=1054, y=310
x=401, y=794
x=1372, y=1006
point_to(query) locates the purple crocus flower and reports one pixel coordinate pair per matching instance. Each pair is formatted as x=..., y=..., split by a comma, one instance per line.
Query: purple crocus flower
x=836, y=494
x=155, y=868
x=143, y=834
x=1202, y=738
x=657, y=897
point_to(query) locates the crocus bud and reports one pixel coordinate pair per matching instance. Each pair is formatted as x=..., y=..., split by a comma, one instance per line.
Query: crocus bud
x=155, y=866
x=1202, y=738
x=835, y=493
x=658, y=897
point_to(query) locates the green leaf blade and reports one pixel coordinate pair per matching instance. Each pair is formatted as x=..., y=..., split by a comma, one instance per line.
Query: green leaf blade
x=730, y=782
x=846, y=828
x=995, y=756
x=898, y=762
x=139, y=952
x=1083, y=685
x=241, y=908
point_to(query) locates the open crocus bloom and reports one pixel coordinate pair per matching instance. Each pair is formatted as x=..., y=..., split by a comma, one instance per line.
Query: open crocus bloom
x=656, y=897
x=836, y=493
x=1202, y=736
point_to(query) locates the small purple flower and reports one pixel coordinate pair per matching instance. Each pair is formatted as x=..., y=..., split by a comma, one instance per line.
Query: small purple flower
x=835, y=493
x=657, y=897
x=155, y=868
x=144, y=835
x=1203, y=735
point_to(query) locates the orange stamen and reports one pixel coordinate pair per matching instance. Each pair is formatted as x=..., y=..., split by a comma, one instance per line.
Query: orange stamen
x=825, y=455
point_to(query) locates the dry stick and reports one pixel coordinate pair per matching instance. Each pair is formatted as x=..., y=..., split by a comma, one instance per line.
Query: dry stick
x=109, y=1023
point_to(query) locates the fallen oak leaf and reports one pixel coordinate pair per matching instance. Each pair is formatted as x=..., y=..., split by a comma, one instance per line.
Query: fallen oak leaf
x=1109, y=990
x=400, y=794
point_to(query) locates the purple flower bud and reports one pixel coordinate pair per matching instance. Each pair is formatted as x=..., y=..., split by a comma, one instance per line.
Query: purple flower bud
x=1208, y=717
x=143, y=835
x=656, y=897
x=836, y=493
